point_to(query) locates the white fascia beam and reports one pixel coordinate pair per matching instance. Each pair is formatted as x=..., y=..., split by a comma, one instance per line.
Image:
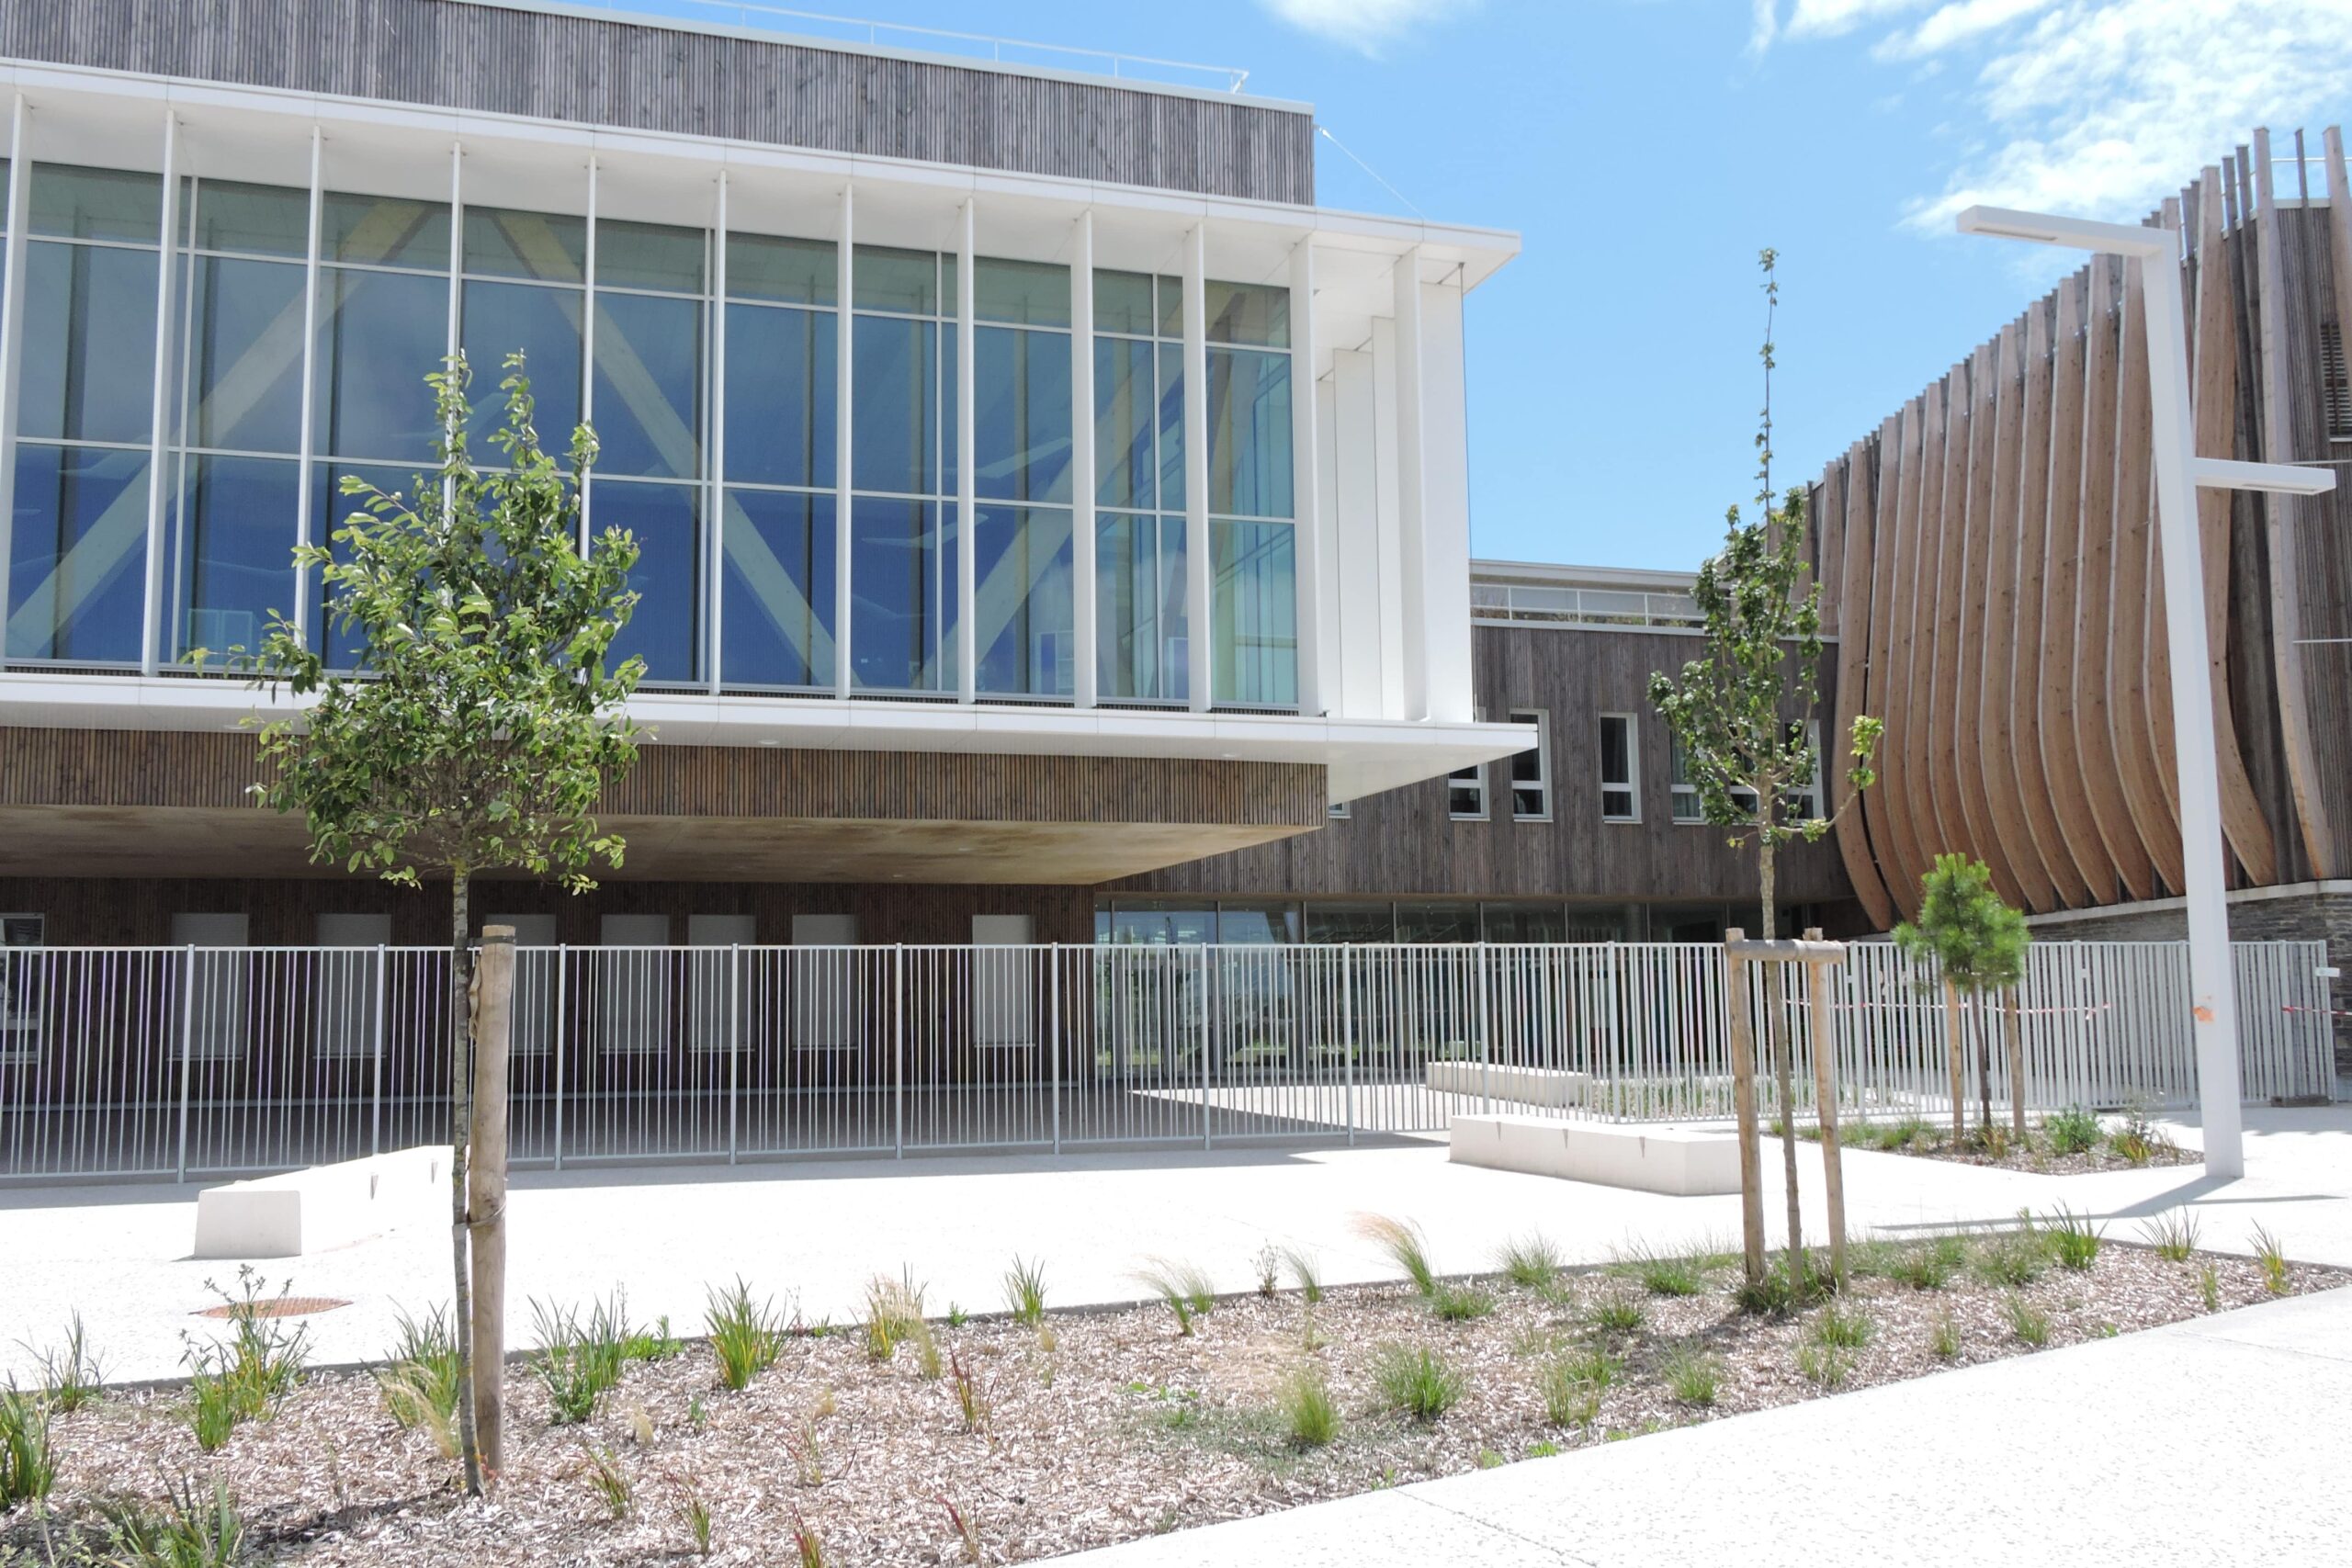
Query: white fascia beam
x=2283, y=478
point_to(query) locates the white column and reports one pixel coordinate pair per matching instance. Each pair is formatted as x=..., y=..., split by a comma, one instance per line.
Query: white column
x=12, y=342
x=588, y=361
x=304, y=524
x=1412, y=500
x=1085, y=610
x=714, y=449
x=1306, y=473
x=1198, y=580
x=844, y=385
x=968, y=672
x=159, y=443
x=2212, y=986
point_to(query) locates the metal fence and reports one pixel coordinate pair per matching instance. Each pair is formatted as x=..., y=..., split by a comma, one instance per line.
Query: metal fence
x=189, y=1062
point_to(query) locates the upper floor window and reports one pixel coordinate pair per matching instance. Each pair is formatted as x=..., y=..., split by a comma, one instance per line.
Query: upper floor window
x=1531, y=770
x=1465, y=794
x=1803, y=802
x=1621, y=781
x=1685, y=794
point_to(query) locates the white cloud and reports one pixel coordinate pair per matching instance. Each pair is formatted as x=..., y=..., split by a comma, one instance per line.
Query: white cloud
x=1365, y=24
x=2102, y=108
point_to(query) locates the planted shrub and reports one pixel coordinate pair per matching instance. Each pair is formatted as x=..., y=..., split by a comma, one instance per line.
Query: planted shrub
x=422, y=1383
x=1664, y=1275
x=1024, y=1291
x=183, y=1531
x=1531, y=1262
x=241, y=1379
x=1417, y=1381
x=1614, y=1312
x=1592, y=1366
x=1406, y=1246
x=1569, y=1400
x=2273, y=1260
x=1842, y=1328
x=1943, y=1336
x=2173, y=1234
x=70, y=1375
x=807, y=1544
x=1303, y=1272
x=1691, y=1376
x=1182, y=1286
x=1458, y=1304
x=1310, y=1415
x=1268, y=1260
x=28, y=1463
x=2028, y=1322
x=577, y=1361
x=2072, y=1132
x=893, y=1315
x=2073, y=1240
x=2014, y=1259
x=1930, y=1265
x=694, y=1511
x=745, y=1334
x=610, y=1482
x=2208, y=1287
x=972, y=1399
x=1770, y=1296
x=1825, y=1366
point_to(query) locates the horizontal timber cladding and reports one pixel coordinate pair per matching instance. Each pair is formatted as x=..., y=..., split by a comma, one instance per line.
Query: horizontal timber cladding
x=644, y=76
x=92, y=910
x=1404, y=843
x=2001, y=579
x=148, y=768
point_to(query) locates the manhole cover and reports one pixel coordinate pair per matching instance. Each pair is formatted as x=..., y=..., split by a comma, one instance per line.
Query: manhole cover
x=281, y=1306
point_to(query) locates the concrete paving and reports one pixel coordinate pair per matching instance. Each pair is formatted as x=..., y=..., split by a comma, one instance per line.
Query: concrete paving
x=2215, y=1441
x=818, y=1232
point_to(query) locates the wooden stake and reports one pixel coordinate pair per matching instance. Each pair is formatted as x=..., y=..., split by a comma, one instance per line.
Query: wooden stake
x=2017, y=1067
x=1952, y=1037
x=1825, y=1089
x=1743, y=1093
x=486, y=1190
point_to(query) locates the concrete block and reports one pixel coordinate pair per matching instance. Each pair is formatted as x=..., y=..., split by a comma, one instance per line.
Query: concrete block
x=1646, y=1156
x=324, y=1206
x=1521, y=1085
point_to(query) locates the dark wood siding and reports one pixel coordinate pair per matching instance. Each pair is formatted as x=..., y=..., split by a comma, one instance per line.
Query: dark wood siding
x=1403, y=844
x=598, y=71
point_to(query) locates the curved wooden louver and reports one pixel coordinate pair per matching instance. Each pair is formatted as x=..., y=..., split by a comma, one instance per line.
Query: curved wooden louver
x=1854, y=621
x=1945, y=553
x=1995, y=779
x=1893, y=584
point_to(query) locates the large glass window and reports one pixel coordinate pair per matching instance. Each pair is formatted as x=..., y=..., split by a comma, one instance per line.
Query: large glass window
x=524, y=293
x=1254, y=593
x=1024, y=616
x=86, y=389
x=1140, y=650
x=1531, y=770
x=902, y=525
x=779, y=577
x=1621, y=780
x=665, y=520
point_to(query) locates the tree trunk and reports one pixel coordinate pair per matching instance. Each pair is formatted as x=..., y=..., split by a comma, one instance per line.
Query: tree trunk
x=1783, y=1079
x=494, y=1022
x=2016, y=1065
x=460, y=1128
x=1959, y=1054
x=1984, y=1063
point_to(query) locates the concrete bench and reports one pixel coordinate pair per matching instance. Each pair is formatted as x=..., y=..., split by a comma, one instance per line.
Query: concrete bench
x=1646, y=1156
x=1521, y=1085
x=324, y=1206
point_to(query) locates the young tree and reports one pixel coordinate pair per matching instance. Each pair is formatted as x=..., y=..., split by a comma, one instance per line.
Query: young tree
x=1974, y=944
x=1738, y=712
x=479, y=721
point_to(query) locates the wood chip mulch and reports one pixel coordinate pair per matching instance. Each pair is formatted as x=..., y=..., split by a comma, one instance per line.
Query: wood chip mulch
x=1105, y=1426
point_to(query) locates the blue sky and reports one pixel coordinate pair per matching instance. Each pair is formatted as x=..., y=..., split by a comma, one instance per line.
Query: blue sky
x=1647, y=149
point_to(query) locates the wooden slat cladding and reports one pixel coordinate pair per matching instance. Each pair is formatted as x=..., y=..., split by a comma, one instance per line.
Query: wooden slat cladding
x=639, y=76
x=1851, y=481
x=2012, y=581
x=145, y=768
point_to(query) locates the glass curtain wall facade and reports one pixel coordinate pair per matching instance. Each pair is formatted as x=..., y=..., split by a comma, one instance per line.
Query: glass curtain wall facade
x=1141, y=652
x=743, y=548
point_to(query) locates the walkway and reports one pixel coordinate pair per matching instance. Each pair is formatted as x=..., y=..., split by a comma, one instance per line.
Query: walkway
x=118, y=1255
x=2218, y=1440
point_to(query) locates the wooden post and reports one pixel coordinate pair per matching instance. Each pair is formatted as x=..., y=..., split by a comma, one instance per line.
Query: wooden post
x=1824, y=1090
x=1952, y=1040
x=486, y=1190
x=1743, y=1094
x=2016, y=1065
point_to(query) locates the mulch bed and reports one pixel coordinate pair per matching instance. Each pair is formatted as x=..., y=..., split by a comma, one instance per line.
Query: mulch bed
x=1103, y=1427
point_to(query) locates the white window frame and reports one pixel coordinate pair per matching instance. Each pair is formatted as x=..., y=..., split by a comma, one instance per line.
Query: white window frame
x=1472, y=778
x=21, y=989
x=1542, y=719
x=1678, y=791
x=1811, y=792
x=1632, y=782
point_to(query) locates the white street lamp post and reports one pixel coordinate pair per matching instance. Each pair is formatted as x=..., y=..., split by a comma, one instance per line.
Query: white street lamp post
x=2179, y=471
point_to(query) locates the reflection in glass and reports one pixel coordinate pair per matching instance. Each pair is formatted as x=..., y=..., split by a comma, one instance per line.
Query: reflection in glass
x=903, y=578
x=1336, y=922
x=381, y=334
x=903, y=281
x=384, y=230
x=1021, y=414
x=74, y=203
x=779, y=588
x=1257, y=924
x=666, y=628
x=781, y=383
x=797, y=271
x=544, y=323
x=268, y=220
x=1023, y=624
x=894, y=435
x=649, y=255
x=245, y=345
x=77, y=554
x=1435, y=921
x=1031, y=294
x=1257, y=314
x=1249, y=433
x=1126, y=402
x=88, y=371
x=649, y=386
x=1123, y=302
x=549, y=246
x=1253, y=615
x=230, y=555
x=1139, y=608
x=330, y=512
